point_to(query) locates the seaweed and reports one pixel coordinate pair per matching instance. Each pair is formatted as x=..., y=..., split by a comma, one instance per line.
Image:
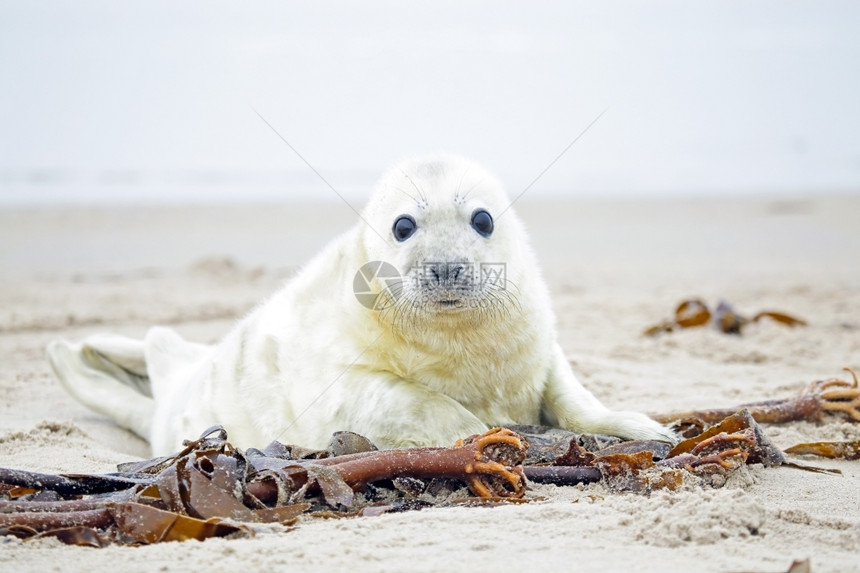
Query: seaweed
x=694, y=312
x=799, y=566
x=211, y=489
x=831, y=396
x=832, y=450
x=644, y=466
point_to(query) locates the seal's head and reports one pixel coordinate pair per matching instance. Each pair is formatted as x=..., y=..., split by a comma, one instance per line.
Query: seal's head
x=438, y=220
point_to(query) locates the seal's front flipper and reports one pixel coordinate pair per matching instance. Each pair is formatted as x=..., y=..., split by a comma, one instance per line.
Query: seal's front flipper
x=401, y=414
x=107, y=374
x=569, y=405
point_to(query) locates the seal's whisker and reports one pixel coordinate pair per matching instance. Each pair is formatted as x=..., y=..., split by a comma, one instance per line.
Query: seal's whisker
x=397, y=188
x=457, y=197
x=473, y=187
x=418, y=189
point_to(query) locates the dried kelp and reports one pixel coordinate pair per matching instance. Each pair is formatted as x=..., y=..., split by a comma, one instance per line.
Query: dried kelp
x=210, y=489
x=694, y=313
x=707, y=457
x=740, y=427
x=644, y=465
x=831, y=396
x=832, y=450
x=798, y=566
x=490, y=464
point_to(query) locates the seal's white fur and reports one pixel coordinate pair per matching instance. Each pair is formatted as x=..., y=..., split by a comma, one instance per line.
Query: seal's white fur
x=443, y=355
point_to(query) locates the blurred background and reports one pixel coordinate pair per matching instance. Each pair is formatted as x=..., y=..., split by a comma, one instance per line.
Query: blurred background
x=154, y=102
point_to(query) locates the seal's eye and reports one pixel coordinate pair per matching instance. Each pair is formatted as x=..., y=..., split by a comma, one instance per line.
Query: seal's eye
x=482, y=222
x=404, y=227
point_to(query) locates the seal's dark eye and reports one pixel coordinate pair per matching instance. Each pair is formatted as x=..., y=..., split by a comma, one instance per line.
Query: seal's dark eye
x=404, y=227
x=482, y=222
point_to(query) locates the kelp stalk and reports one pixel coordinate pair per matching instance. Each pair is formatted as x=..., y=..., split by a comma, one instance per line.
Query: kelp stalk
x=832, y=395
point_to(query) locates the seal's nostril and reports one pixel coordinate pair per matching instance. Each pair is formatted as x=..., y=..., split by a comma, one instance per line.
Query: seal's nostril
x=445, y=273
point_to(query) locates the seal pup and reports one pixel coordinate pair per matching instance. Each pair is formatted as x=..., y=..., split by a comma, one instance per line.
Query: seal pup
x=426, y=322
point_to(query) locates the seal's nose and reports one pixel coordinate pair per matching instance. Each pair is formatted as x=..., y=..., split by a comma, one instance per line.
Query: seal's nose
x=444, y=274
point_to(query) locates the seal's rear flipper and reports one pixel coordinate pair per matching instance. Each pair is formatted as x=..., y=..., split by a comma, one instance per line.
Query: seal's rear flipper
x=107, y=373
x=167, y=354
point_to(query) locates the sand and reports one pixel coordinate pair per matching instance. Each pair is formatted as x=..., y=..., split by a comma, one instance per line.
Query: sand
x=614, y=267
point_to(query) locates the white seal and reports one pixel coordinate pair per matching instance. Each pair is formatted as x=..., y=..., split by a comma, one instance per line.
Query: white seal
x=426, y=322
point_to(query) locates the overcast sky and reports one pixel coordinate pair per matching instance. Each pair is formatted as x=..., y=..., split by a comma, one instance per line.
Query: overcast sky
x=154, y=101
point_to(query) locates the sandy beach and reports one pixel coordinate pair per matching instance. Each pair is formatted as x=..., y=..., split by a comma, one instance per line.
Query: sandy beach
x=614, y=267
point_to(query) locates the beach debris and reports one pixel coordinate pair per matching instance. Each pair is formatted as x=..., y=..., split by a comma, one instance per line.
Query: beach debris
x=211, y=489
x=832, y=450
x=738, y=431
x=645, y=465
x=707, y=459
x=798, y=566
x=490, y=464
x=831, y=396
x=694, y=312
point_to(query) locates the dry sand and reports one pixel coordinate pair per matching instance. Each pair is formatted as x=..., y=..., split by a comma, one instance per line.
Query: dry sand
x=615, y=267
